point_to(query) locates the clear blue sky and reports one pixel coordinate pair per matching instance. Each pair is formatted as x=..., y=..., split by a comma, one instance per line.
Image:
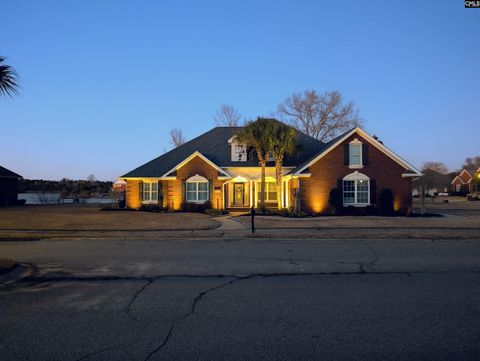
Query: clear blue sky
x=103, y=82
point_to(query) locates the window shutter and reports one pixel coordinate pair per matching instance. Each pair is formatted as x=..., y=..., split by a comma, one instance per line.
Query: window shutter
x=346, y=154
x=340, y=185
x=373, y=191
x=365, y=154
x=160, y=192
x=184, y=192
x=210, y=190
x=140, y=191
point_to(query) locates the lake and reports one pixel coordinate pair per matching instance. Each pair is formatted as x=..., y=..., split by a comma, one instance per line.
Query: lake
x=54, y=198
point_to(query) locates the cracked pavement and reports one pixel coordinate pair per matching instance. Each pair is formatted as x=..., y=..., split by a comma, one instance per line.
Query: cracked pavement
x=243, y=300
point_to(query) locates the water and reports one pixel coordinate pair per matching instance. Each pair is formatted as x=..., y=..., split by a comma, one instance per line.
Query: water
x=54, y=198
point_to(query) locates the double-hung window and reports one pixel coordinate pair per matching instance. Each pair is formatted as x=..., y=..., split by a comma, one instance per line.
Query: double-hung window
x=150, y=192
x=355, y=154
x=356, y=190
x=270, y=191
x=196, y=190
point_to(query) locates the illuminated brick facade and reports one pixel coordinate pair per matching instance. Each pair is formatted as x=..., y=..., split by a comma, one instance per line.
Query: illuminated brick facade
x=306, y=184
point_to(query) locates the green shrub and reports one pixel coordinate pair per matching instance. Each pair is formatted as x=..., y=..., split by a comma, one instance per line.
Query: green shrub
x=215, y=212
x=196, y=207
x=385, y=202
x=152, y=208
x=335, y=201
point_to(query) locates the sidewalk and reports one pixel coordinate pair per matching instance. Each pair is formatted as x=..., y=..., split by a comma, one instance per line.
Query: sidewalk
x=234, y=227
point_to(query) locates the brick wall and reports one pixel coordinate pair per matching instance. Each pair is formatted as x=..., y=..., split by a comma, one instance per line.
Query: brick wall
x=325, y=173
x=195, y=166
x=133, y=194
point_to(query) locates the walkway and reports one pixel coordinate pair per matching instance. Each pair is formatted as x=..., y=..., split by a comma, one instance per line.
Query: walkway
x=231, y=222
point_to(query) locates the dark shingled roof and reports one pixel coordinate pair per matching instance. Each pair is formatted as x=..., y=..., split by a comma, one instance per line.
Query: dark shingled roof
x=7, y=173
x=214, y=145
x=433, y=178
x=324, y=146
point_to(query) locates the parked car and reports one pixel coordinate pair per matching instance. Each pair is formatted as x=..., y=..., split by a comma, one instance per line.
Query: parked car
x=443, y=194
x=473, y=196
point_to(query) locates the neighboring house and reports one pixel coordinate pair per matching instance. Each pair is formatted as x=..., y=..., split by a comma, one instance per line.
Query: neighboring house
x=8, y=187
x=465, y=181
x=435, y=182
x=119, y=186
x=215, y=167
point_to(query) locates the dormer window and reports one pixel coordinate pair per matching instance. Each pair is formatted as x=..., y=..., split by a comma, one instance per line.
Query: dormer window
x=240, y=153
x=355, y=154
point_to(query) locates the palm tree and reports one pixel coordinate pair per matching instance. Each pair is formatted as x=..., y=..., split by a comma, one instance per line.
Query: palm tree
x=8, y=79
x=282, y=142
x=256, y=135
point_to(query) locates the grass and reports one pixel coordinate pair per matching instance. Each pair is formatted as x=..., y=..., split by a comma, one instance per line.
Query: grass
x=457, y=214
x=85, y=217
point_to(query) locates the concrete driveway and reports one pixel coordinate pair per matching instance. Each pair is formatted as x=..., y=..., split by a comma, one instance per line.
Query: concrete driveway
x=243, y=300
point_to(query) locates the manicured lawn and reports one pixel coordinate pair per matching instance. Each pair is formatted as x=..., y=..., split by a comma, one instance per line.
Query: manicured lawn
x=458, y=213
x=86, y=217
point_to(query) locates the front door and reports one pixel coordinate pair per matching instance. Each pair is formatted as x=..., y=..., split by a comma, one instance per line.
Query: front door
x=238, y=194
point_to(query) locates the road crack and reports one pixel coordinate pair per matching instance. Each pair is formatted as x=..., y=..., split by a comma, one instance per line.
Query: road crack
x=192, y=311
x=135, y=296
x=101, y=350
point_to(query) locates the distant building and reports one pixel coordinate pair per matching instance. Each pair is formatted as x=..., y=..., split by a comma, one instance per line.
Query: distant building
x=435, y=182
x=465, y=182
x=8, y=187
x=119, y=186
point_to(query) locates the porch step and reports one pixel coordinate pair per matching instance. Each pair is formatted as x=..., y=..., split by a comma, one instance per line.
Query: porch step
x=238, y=209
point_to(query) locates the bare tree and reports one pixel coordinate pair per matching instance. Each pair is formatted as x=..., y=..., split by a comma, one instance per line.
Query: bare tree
x=436, y=166
x=227, y=116
x=472, y=163
x=423, y=206
x=176, y=137
x=322, y=116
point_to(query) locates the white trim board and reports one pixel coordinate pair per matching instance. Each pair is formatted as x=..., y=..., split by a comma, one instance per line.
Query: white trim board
x=460, y=179
x=373, y=142
x=193, y=155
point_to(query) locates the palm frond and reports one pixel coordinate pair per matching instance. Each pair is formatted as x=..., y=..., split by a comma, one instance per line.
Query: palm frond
x=8, y=79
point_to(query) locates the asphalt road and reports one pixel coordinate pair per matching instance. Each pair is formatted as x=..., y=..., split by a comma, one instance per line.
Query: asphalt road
x=243, y=300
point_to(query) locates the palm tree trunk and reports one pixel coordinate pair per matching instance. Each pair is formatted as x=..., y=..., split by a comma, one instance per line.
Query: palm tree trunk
x=262, y=186
x=278, y=179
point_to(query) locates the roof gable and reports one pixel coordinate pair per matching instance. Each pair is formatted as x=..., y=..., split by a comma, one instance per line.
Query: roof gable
x=454, y=181
x=371, y=140
x=7, y=173
x=192, y=156
x=466, y=175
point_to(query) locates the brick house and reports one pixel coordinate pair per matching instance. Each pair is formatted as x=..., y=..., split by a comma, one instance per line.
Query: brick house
x=434, y=182
x=465, y=182
x=215, y=167
x=8, y=187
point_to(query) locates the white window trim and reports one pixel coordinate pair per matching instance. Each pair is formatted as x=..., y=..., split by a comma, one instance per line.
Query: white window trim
x=234, y=154
x=259, y=184
x=150, y=201
x=356, y=166
x=196, y=179
x=356, y=176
